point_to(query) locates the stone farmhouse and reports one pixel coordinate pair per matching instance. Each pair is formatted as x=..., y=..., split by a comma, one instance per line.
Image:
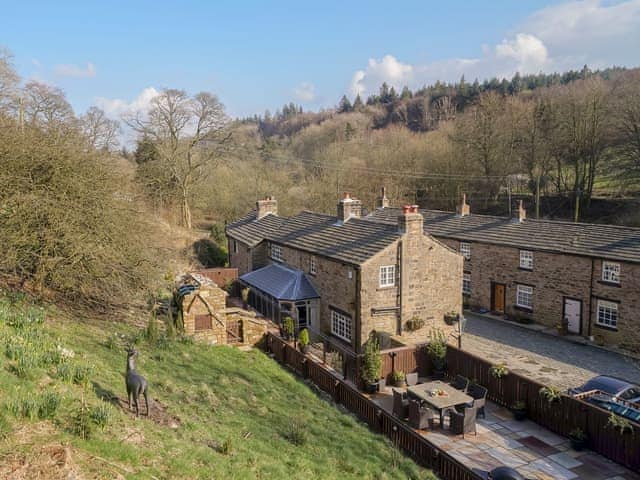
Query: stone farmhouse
x=343, y=276
x=550, y=272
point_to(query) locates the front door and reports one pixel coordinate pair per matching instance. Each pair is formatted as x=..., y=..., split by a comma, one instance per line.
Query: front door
x=573, y=314
x=498, y=297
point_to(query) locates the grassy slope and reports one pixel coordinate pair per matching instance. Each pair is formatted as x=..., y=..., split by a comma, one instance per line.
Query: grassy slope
x=217, y=393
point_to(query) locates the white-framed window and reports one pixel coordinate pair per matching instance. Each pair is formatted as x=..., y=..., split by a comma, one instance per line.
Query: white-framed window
x=607, y=314
x=387, y=276
x=465, y=250
x=276, y=252
x=235, y=246
x=313, y=266
x=341, y=325
x=526, y=259
x=610, y=272
x=466, y=284
x=524, y=296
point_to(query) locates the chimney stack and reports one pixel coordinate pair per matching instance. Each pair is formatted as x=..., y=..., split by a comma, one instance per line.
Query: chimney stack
x=463, y=209
x=410, y=221
x=268, y=206
x=383, y=201
x=349, y=208
x=519, y=214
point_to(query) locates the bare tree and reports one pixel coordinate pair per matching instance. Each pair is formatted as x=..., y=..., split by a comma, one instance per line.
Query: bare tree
x=45, y=105
x=627, y=118
x=101, y=132
x=8, y=81
x=189, y=133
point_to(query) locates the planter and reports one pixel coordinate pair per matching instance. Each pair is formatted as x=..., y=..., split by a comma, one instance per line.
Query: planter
x=519, y=413
x=578, y=444
x=371, y=387
x=450, y=319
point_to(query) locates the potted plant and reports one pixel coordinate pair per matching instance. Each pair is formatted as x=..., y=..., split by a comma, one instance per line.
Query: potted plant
x=414, y=323
x=244, y=294
x=552, y=394
x=398, y=378
x=499, y=370
x=563, y=327
x=437, y=350
x=303, y=340
x=578, y=439
x=451, y=317
x=519, y=409
x=620, y=423
x=288, y=328
x=371, y=363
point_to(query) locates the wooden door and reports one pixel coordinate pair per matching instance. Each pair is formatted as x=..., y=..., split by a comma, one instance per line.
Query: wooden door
x=498, y=297
x=573, y=314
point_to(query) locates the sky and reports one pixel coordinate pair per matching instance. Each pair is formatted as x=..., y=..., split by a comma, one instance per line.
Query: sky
x=258, y=55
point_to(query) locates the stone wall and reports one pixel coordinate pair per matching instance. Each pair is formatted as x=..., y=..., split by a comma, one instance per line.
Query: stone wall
x=554, y=276
x=240, y=259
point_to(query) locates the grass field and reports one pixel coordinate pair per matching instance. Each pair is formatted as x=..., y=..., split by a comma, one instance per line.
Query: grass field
x=216, y=412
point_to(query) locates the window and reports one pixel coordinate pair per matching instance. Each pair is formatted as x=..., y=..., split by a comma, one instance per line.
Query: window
x=235, y=246
x=610, y=272
x=341, y=325
x=466, y=284
x=526, y=259
x=203, y=322
x=276, y=252
x=388, y=276
x=313, y=266
x=524, y=296
x=465, y=250
x=607, y=314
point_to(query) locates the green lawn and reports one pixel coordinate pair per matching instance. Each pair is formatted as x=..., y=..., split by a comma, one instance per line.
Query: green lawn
x=240, y=415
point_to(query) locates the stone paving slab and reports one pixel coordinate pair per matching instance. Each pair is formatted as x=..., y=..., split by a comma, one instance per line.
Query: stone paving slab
x=549, y=360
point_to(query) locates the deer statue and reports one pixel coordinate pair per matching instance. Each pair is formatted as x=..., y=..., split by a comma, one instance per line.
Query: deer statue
x=136, y=383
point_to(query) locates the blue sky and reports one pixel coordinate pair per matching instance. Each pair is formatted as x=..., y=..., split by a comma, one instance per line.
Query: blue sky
x=258, y=55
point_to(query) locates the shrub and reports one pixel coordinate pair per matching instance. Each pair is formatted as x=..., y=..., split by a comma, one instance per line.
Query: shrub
x=288, y=326
x=398, y=376
x=619, y=423
x=296, y=433
x=303, y=338
x=101, y=415
x=437, y=347
x=552, y=394
x=577, y=434
x=498, y=371
x=48, y=404
x=371, y=362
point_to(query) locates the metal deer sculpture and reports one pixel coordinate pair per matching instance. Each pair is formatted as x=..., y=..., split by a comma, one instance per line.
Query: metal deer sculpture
x=136, y=383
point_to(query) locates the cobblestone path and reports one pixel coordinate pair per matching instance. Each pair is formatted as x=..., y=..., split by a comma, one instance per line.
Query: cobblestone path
x=547, y=359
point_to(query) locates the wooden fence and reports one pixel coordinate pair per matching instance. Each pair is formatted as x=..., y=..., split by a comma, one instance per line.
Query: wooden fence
x=401, y=435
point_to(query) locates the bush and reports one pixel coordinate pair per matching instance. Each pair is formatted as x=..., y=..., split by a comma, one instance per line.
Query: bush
x=371, y=362
x=437, y=346
x=288, y=326
x=552, y=394
x=303, y=338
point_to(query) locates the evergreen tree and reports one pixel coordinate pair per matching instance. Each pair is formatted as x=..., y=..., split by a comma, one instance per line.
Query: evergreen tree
x=345, y=105
x=358, y=106
x=406, y=93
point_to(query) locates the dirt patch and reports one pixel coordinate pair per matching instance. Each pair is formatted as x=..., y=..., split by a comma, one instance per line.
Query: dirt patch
x=157, y=412
x=50, y=462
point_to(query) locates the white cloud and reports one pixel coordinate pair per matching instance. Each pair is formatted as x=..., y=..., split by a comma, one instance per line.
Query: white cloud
x=305, y=92
x=75, y=71
x=116, y=107
x=556, y=38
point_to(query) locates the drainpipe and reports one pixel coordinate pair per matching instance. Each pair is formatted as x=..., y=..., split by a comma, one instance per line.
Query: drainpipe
x=400, y=287
x=358, y=335
x=591, y=293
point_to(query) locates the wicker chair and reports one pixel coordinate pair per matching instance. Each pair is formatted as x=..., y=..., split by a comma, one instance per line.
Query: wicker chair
x=411, y=379
x=460, y=383
x=420, y=417
x=479, y=394
x=400, y=404
x=463, y=422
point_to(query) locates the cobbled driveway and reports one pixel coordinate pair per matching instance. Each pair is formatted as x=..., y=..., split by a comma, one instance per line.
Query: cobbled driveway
x=542, y=357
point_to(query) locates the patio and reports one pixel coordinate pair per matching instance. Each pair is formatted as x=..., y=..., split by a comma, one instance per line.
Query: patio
x=529, y=448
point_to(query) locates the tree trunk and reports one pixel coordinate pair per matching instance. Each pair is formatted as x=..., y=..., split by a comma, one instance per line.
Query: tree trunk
x=185, y=210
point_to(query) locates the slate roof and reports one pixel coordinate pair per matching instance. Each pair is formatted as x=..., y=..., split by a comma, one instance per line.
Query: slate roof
x=353, y=242
x=281, y=282
x=592, y=240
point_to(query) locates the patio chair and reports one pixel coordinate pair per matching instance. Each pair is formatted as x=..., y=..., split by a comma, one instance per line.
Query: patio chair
x=400, y=404
x=411, y=379
x=460, y=383
x=479, y=394
x=420, y=417
x=463, y=422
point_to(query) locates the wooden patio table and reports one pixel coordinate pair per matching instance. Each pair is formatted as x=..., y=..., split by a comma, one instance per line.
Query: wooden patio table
x=452, y=398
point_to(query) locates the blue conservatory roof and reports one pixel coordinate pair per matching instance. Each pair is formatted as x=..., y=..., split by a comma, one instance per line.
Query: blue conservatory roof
x=281, y=282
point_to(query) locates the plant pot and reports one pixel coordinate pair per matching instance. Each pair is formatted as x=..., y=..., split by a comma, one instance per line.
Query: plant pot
x=450, y=319
x=578, y=444
x=371, y=387
x=519, y=414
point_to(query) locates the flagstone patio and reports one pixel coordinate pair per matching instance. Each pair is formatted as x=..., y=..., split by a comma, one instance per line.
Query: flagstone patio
x=535, y=452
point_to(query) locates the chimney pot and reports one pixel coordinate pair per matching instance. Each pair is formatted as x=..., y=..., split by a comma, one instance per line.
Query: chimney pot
x=411, y=221
x=348, y=207
x=463, y=209
x=383, y=201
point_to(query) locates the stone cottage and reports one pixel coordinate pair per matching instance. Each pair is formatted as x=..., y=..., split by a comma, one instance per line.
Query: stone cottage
x=343, y=276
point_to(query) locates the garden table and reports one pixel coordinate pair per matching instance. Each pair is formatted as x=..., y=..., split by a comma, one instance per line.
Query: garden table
x=451, y=398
